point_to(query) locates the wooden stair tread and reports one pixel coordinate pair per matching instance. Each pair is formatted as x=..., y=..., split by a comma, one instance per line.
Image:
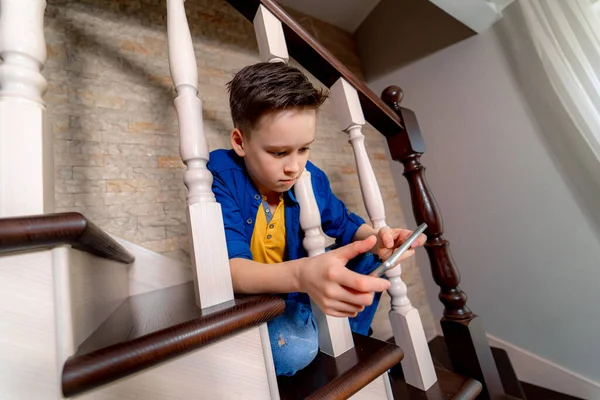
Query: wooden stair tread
x=448, y=386
x=152, y=328
x=339, y=378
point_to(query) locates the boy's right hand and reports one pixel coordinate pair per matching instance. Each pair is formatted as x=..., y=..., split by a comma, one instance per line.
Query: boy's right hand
x=338, y=291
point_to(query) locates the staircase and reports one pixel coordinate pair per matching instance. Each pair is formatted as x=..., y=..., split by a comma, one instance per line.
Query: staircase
x=157, y=343
x=101, y=318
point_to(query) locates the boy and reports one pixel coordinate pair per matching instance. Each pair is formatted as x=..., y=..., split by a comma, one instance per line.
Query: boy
x=273, y=107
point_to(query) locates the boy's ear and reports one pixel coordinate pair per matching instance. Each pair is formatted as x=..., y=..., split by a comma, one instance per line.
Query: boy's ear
x=237, y=142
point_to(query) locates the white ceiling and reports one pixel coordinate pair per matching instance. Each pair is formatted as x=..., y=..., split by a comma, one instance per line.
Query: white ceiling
x=345, y=14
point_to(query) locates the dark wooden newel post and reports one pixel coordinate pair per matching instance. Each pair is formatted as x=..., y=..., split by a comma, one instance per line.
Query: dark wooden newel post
x=463, y=330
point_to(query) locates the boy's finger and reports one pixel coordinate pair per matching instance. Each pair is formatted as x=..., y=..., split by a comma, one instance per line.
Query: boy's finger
x=420, y=241
x=340, y=314
x=386, y=235
x=401, y=236
x=342, y=306
x=409, y=253
x=362, y=283
x=354, y=249
x=352, y=296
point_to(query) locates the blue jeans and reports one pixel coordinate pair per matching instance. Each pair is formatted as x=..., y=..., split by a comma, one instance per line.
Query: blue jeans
x=294, y=336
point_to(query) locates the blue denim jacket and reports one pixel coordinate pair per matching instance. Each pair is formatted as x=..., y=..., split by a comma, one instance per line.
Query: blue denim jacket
x=240, y=200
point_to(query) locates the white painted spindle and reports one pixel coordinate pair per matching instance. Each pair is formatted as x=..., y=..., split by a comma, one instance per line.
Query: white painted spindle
x=209, y=250
x=269, y=35
x=26, y=149
x=335, y=336
x=406, y=322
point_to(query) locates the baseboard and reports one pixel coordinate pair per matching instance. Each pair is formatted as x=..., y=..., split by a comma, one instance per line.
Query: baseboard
x=536, y=370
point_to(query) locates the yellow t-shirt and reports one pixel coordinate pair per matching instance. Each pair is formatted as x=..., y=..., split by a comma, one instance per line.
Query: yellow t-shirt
x=268, y=238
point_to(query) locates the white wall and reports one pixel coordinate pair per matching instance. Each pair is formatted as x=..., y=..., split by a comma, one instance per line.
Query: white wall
x=529, y=258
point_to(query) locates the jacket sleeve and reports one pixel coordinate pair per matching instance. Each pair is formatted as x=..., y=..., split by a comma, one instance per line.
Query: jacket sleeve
x=336, y=220
x=238, y=244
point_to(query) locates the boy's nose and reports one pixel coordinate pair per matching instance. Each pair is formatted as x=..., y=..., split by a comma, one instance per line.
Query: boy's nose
x=291, y=167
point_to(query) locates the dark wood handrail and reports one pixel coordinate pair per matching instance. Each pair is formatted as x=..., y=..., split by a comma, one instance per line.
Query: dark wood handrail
x=39, y=231
x=323, y=65
x=152, y=328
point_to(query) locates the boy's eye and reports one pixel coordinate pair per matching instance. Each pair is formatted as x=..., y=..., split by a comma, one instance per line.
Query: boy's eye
x=278, y=153
x=304, y=149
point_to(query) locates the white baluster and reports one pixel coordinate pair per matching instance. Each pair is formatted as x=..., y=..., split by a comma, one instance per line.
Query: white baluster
x=209, y=250
x=409, y=334
x=335, y=336
x=269, y=35
x=406, y=322
x=26, y=149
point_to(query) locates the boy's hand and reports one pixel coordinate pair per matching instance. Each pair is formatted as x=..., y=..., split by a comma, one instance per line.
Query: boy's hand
x=338, y=291
x=389, y=239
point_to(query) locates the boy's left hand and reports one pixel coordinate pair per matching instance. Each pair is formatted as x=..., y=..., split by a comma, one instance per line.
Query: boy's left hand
x=389, y=239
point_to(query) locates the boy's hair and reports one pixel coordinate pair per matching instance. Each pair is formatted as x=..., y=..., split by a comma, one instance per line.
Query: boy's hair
x=265, y=87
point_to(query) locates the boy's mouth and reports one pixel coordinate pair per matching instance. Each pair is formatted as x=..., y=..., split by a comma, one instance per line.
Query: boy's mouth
x=288, y=181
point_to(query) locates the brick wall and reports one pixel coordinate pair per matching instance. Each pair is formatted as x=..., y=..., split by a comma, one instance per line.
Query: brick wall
x=110, y=98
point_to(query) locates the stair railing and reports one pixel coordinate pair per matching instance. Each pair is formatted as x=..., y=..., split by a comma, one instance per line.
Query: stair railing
x=463, y=330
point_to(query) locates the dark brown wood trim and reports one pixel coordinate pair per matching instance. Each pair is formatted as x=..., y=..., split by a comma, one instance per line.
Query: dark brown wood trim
x=323, y=65
x=426, y=210
x=341, y=377
x=463, y=330
x=84, y=372
x=39, y=231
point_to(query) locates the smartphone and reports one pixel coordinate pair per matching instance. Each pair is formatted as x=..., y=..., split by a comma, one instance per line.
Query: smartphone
x=395, y=257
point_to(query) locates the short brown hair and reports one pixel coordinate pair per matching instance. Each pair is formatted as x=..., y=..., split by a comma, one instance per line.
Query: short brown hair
x=265, y=87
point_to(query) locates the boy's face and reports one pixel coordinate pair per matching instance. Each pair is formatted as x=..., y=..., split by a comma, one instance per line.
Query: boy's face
x=277, y=151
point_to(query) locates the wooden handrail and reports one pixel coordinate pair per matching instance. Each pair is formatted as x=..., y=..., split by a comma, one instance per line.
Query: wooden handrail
x=323, y=65
x=39, y=231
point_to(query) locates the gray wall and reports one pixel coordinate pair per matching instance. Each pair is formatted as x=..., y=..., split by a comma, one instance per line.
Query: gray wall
x=528, y=255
